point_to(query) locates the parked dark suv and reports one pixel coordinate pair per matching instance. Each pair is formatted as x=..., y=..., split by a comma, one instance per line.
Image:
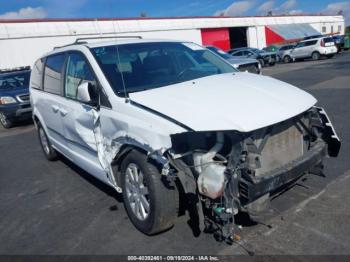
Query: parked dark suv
x=14, y=96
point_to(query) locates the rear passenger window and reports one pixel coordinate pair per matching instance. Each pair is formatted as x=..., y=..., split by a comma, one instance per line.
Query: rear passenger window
x=310, y=43
x=53, y=74
x=37, y=74
x=77, y=73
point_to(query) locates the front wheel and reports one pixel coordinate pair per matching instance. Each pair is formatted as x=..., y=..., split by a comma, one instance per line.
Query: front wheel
x=5, y=122
x=151, y=202
x=287, y=59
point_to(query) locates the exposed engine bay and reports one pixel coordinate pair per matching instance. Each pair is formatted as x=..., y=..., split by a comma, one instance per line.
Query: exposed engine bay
x=229, y=171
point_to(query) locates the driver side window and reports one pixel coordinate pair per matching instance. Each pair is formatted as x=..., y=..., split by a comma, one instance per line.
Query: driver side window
x=77, y=73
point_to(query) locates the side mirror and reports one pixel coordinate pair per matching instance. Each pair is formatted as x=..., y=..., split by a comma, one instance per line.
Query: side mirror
x=85, y=90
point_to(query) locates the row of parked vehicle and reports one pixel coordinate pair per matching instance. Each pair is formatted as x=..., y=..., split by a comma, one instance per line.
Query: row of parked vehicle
x=314, y=47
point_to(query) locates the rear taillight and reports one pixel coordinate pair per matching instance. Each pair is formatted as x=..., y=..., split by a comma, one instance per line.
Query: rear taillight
x=322, y=43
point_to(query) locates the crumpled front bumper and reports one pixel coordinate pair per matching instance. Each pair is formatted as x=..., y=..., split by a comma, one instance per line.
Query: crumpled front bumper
x=329, y=144
x=251, y=190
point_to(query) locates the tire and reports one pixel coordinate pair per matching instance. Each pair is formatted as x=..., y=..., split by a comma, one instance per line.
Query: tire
x=5, y=122
x=287, y=59
x=152, y=206
x=262, y=62
x=49, y=152
x=315, y=56
x=272, y=63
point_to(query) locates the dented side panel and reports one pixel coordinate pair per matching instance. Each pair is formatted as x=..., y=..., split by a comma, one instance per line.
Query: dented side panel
x=129, y=125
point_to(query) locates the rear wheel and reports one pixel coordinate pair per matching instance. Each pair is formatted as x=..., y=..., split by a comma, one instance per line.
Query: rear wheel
x=316, y=56
x=5, y=122
x=150, y=202
x=49, y=152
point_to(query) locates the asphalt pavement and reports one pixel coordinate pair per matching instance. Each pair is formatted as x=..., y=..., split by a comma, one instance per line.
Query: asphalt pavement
x=56, y=208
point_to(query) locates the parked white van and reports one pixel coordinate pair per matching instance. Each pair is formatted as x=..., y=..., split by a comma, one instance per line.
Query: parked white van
x=156, y=119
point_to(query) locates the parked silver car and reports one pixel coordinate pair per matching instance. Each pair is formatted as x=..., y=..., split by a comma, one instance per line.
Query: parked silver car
x=242, y=64
x=264, y=58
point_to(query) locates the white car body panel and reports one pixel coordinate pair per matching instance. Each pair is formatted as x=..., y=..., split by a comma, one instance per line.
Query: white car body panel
x=239, y=101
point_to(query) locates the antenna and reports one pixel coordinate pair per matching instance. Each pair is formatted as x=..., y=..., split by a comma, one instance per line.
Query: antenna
x=121, y=72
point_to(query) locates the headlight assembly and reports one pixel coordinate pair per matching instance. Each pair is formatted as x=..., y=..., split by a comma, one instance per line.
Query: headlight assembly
x=7, y=100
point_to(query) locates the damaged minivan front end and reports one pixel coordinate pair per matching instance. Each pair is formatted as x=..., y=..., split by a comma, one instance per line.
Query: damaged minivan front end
x=233, y=171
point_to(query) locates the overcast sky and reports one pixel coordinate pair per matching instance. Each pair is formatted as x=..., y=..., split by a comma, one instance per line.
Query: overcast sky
x=17, y=9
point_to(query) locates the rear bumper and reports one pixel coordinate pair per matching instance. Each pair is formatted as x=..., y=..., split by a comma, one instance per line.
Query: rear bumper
x=329, y=50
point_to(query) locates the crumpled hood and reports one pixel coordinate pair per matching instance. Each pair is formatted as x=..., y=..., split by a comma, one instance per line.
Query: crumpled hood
x=233, y=101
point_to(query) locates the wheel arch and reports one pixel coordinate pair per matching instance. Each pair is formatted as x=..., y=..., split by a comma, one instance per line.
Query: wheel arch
x=124, y=150
x=37, y=119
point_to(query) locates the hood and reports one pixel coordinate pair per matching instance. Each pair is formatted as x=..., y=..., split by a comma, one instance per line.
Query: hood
x=14, y=92
x=241, y=61
x=267, y=53
x=232, y=101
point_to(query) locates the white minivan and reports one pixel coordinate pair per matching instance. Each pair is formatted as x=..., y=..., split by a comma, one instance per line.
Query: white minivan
x=162, y=121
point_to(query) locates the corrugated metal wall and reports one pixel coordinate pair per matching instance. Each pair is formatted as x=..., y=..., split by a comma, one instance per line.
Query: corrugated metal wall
x=21, y=43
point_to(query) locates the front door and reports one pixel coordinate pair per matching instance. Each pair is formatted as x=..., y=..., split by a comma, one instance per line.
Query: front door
x=79, y=118
x=299, y=51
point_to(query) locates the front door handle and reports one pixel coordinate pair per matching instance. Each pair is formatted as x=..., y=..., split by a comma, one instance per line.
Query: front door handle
x=63, y=112
x=55, y=108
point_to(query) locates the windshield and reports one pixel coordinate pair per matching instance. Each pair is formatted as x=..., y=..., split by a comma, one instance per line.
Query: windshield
x=328, y=40
x=144, y=66
x=257, y=51
x=16, y=80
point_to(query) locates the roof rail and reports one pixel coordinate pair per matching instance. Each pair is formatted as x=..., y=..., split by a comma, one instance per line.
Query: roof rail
x=82, y=40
